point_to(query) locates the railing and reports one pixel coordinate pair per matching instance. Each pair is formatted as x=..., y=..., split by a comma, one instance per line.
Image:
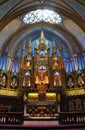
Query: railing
x=11, y=118
x=71, y=118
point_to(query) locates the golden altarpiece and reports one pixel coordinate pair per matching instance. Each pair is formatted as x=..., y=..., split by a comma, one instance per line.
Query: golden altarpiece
x=41, y=74
x=42, y=88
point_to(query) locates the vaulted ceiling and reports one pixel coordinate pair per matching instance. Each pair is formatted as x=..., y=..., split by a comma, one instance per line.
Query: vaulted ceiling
x=71, y=33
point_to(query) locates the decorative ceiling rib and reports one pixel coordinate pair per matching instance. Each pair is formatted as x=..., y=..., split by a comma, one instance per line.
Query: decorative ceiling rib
x=81, y=2
x=3, y=1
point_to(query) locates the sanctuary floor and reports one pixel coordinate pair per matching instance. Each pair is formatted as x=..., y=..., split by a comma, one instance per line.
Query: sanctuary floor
x=30, y=125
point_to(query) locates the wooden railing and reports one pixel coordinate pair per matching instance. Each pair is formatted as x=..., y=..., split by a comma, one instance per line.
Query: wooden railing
x=71, y=118
x=11, y=118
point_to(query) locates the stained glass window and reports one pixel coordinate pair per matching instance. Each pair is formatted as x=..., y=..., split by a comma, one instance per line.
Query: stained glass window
x=42, y=15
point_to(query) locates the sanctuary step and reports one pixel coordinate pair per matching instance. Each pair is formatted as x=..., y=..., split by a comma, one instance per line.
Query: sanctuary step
x=44, y=118
x=30, y=125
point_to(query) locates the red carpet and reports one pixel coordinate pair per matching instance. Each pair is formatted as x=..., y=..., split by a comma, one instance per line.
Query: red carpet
x=42, y=124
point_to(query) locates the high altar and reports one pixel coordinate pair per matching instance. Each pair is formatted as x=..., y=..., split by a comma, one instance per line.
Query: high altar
x=42, y=73
x=42, y=88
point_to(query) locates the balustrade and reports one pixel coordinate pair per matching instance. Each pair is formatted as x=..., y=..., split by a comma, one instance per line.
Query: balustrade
x=71, y=118
x=11, y=118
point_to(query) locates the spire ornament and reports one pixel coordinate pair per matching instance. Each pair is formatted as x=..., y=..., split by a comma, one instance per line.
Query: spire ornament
x=29, y=46
x=42, y=45
x=54, y=47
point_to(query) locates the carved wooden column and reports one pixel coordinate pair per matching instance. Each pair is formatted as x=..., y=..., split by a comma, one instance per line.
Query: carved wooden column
x=50, y=73
x=32, y=74
x=8, y=79
x=75, y=61
x=75, y=80
x=84, y=74
x=63, y=78
x=20, y=84
x=9, y=59
x=51, y=79
x=0, y=77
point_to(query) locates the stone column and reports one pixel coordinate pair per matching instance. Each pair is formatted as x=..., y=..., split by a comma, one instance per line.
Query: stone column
x=9, y=58
x=75, y=62
x=63, y=78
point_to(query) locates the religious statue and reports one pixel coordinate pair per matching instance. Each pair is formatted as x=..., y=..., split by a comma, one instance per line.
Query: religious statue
x=80, y=81
x=26, y=81
x=70, y=83
x=42, y=77
x=14, y=83
x=3, y=81
x=28, y=63
x=55, y=64
x=57, y=80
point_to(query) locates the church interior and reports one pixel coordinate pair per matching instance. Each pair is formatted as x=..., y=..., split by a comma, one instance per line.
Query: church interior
x=42, y=61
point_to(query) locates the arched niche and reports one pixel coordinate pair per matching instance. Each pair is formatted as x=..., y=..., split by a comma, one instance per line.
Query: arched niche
x=3, y=80
x=57, y=63
x=14, y=81
x=57, y=78
x=27, y=63
x=70, y=81
x=41, y=75
x=80, y=79
x=26, y=79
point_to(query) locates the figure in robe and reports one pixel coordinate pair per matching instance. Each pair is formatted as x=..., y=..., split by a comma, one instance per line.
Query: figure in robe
x=4, y=81
x=14, y=83
x=70, y=83
x=80, y=81
x=27, y=64
x=57, y=80
x=26, y=81
x=42, y=77
x=55, y=64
